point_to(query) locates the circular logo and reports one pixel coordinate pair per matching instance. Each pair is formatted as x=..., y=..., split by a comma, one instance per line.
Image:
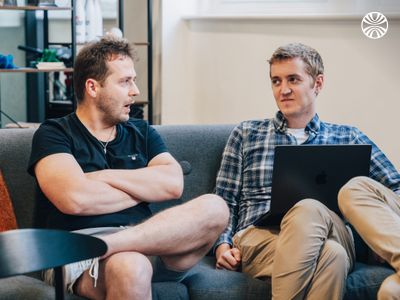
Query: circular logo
x=374, y=25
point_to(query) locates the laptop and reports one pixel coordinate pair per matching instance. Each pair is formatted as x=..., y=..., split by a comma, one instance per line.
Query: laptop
x=312, y=171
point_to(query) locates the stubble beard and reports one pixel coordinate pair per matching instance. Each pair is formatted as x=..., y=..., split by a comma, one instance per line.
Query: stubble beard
x=105, y=105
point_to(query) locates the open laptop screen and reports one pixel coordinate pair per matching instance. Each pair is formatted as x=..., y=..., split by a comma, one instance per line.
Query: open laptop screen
x=312, y=171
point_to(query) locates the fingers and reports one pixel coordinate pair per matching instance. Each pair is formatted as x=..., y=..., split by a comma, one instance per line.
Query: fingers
x=224, y=265
x=236, y=254
x=229, y=260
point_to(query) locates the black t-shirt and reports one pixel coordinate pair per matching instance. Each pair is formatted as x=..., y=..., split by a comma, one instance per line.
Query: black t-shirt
x=136, y=143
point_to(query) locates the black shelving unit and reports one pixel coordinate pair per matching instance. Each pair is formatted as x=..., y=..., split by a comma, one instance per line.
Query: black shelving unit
x=39, y=104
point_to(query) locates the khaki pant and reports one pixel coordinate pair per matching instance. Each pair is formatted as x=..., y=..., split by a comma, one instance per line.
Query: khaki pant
x=309, y=258
x=374, y=211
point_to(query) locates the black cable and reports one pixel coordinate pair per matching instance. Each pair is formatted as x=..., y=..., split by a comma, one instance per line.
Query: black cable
x=11, y=119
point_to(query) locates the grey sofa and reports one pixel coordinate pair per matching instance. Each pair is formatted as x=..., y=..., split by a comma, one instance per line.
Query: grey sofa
x=199, y=150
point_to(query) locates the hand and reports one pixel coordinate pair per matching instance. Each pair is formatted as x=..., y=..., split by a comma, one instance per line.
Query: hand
x=228, y=258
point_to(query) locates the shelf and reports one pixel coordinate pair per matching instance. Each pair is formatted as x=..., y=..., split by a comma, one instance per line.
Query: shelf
x=31, y=7
x=61, y=102
x=140, y=102
x=34, y=70
x=141, y=44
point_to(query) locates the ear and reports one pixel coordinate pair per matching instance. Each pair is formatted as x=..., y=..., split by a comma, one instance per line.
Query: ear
x=91, y=87
x=319, y=83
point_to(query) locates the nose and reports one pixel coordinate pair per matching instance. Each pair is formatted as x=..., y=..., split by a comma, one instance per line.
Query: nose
x=285, y=89
x=134, y=91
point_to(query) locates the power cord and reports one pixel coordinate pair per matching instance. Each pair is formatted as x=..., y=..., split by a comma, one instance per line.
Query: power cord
x=11, y=119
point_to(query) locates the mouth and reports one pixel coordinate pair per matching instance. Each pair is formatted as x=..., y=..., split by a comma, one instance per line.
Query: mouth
x=286, y=99
x=127, y=107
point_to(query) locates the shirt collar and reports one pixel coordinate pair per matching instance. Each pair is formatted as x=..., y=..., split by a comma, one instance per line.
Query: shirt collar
x=280, y=123
x=314, y=125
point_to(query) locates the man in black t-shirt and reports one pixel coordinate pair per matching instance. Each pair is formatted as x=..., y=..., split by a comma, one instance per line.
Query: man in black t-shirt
x=99, y=170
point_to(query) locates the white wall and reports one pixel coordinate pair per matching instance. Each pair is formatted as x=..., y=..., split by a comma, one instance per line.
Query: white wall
x=177, y=74
x=215, y=71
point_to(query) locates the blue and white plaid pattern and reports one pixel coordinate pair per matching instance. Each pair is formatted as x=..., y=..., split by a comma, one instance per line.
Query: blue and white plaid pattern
x=245, y=177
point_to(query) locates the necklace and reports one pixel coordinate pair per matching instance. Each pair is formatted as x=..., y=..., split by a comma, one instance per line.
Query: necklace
x=104, y=144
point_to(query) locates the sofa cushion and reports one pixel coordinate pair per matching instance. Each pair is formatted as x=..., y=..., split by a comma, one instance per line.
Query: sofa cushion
x=169, y=291
x=206, y=282
x=364, y=281
x=27, y=288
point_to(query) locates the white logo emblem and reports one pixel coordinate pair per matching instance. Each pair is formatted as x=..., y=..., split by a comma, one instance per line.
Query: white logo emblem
x=374, y=25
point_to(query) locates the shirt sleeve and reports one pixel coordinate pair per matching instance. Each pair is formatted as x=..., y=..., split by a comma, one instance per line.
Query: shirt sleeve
x=381, y=169
x=229, y=181
x=48, y=139
x=156, y=144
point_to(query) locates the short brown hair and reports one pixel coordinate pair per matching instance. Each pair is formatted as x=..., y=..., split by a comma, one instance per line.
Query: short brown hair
x=310, y=56
x=91, y=62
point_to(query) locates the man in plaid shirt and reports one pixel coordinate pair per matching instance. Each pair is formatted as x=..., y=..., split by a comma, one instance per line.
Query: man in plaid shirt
x=311, y=253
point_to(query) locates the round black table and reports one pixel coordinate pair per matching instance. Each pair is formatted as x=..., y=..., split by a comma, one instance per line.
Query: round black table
x=29, y=250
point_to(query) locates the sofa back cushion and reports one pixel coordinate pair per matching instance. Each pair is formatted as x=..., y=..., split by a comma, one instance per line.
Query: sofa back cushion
x=198, y=148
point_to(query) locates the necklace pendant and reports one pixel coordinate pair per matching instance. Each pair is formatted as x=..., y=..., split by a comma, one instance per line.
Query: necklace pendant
x=104, y=144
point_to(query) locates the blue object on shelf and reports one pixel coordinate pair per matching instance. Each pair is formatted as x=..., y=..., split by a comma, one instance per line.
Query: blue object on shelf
x=6, y=62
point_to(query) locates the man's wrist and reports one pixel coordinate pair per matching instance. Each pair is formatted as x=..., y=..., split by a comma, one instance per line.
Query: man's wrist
x=221, y=248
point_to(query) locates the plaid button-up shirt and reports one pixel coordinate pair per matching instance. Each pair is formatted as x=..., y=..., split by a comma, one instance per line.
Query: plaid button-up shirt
x=245, y=177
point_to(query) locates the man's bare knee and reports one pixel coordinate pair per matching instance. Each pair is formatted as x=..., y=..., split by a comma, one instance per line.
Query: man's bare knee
x=130, y=264
x=215, y=211
x=128, y=274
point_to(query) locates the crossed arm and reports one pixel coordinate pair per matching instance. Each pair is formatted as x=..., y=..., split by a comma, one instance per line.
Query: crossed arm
x=77, y=193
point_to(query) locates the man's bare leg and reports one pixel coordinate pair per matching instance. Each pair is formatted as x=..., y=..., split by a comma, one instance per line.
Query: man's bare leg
x=181, y=235
x=124, y=275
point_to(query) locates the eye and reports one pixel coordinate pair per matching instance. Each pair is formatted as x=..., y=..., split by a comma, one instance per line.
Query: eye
x=127, y=81
x=294, y=80
x=275, y=82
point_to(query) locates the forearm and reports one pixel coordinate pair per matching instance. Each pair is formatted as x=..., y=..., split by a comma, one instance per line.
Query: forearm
x=90, y=197
x=73, y=192
x=150, y=184
x=100, y=198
